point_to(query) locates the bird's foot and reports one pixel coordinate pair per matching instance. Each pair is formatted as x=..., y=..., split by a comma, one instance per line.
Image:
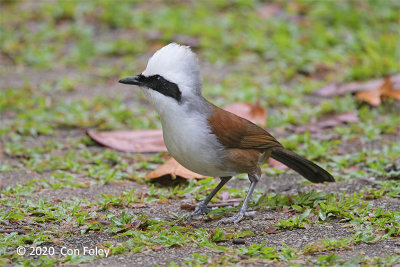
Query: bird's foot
x=234, y=219
x=200, y=210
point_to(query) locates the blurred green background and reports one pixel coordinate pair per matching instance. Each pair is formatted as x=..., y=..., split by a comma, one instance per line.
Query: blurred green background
x=275, y=51
x=356, y=39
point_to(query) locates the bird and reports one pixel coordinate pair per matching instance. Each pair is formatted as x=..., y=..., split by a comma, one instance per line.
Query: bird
x=204, y=138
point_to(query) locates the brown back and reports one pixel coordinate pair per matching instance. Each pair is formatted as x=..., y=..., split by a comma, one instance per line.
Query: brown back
x=236, y=132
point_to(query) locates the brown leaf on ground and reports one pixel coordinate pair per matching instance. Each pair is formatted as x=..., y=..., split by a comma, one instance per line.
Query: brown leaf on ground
x=271, y=230
x=269, y=10
x=188, y=206
x=131, y=141
x=329, y=122
x=171, y=169
x=374, y=97
x=254, y=113
x=105, y=222
x=333, y=89
x=243, y=257
x=353, y=168
x=276, y=164
x=138, y=205
x=157, y=248
x=285, y=210
x=388, y=89
x=136, y=224
x=224, y=196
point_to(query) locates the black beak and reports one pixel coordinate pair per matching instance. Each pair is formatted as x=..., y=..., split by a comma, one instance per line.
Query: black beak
x=135, y=80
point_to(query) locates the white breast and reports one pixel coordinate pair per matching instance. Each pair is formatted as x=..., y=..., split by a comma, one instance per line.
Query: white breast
x=190, y=141
x=187, y=134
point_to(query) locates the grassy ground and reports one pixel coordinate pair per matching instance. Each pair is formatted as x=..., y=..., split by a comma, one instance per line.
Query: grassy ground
x=60, y=63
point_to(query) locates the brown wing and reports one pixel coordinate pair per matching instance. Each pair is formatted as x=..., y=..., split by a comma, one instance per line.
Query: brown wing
x=236, y=132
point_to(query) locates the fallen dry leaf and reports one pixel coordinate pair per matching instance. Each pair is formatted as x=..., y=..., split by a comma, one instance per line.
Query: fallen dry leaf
x=268, y=10
x=157, y=248
x=131, y=141
x=374, y=97
x=329, y=122
x=276, y=164
x=226, y=199
x=254, y=113
x=136, y=224
x=187, y=206
x=285, y=210
x=354, y=168
x=333, y=89
x=243, y=257
x=271, y=230
x=224, y=196
x=171, y=169
x=105, y=222
x=389, y=89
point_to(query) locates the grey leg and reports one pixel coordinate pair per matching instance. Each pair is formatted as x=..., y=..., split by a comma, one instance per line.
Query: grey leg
x=254, y=178
x=202, y=208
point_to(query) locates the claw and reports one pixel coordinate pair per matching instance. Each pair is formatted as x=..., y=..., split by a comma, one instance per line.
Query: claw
x=201, y=209
x=187, y=218
x=234, y=219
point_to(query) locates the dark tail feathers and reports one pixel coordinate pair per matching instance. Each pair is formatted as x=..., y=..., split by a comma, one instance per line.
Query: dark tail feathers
x=305, y=167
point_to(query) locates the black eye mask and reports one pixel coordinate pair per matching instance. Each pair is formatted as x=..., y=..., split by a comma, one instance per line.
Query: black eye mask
x=161, y=85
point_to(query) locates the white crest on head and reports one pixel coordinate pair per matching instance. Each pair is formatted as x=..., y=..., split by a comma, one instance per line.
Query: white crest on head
x=178, y=64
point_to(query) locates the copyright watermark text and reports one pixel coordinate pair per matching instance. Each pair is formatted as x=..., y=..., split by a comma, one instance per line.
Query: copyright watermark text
x=64, y=251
